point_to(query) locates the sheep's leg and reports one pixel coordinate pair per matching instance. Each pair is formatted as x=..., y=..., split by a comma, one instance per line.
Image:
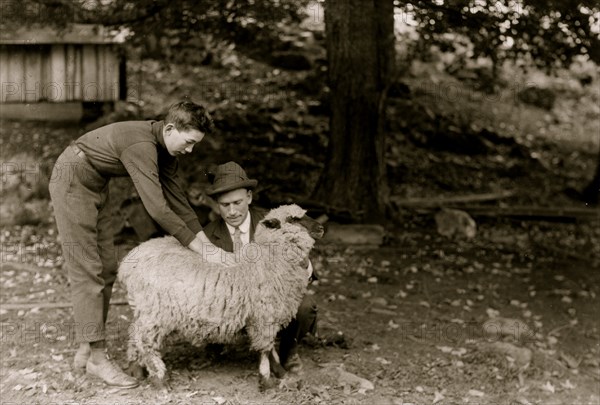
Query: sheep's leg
x=276, y=367
x=264, y=380
x=135, y=369
x=147, y=342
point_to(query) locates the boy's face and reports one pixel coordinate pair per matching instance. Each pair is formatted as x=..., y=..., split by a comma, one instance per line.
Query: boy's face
x=233, y=206
x=180, y=142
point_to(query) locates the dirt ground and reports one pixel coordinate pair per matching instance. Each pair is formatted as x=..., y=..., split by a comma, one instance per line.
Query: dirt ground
x=408, y=317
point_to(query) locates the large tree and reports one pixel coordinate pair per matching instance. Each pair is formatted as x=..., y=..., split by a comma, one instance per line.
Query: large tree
x=360, y=53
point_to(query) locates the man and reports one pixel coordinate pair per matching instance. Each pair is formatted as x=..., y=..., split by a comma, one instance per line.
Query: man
x=232, y=189
x=147, y=151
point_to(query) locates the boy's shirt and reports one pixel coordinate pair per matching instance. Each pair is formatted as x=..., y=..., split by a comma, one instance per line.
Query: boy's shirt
x=137, y=149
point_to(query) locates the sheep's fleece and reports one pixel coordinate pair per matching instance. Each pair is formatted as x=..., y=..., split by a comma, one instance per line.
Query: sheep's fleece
x=171, y=289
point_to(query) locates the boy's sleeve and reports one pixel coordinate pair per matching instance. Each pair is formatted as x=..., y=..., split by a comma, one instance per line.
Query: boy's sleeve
x=176, y=197
x=141, y=162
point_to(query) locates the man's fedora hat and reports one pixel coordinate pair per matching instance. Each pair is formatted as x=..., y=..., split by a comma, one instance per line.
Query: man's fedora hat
x=227, y=177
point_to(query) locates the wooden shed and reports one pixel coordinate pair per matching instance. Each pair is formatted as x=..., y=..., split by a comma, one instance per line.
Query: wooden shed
x=52, y=75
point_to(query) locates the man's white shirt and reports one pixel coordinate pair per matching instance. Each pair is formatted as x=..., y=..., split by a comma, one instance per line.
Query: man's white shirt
x=244, y=230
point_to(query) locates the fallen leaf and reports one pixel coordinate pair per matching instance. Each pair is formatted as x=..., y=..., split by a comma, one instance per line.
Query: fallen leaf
x=373, y=348
x=459, y=352
x=401, y=294
x=383, y=361
x=445, y=349
x=548, y=387
x=567, y=385
x=476, y=393
x=492, y=313
x=437, y=397
x=219, y=400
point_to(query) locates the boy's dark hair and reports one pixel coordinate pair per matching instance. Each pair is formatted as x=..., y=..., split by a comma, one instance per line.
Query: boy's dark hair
x=186, y=115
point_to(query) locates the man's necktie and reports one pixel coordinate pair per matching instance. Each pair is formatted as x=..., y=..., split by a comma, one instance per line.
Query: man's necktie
x=237, y=240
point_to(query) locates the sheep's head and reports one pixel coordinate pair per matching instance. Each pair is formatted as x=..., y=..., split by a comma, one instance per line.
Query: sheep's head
x=289, y=224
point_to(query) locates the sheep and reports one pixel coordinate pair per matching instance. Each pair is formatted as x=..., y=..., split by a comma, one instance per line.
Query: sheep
x=171, y=289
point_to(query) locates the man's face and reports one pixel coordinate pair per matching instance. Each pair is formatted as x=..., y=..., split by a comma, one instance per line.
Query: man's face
x=181, y=142
x=233, y=206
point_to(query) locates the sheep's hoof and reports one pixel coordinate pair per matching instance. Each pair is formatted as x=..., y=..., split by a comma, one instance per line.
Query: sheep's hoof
x=161, y=384
x=277, y=369
x=266, y=383
x=136, y=371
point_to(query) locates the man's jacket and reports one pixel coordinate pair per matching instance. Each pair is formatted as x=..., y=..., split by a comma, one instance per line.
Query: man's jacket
x=219, y=235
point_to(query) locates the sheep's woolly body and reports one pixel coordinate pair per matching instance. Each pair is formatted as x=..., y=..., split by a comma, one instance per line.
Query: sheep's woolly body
x=171, y=289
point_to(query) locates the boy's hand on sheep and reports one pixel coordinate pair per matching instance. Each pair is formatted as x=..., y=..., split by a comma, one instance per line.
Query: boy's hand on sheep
x=210, y=253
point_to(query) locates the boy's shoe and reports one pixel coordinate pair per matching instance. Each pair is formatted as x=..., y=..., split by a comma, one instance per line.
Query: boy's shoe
x=102, y=366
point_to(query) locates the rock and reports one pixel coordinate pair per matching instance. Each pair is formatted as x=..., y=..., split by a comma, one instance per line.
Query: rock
x=451, y=223
x=499, y=327
x=521, y=355
x=364, y=235
x=352, y=380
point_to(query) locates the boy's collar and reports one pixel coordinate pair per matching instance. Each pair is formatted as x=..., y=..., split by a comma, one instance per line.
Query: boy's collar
x=157, y=131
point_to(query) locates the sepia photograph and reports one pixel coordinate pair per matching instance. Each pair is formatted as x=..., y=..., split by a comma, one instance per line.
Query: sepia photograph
x=298, y=202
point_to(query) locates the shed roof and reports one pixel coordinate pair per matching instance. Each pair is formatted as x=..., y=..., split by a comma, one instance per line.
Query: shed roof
x=74, y=34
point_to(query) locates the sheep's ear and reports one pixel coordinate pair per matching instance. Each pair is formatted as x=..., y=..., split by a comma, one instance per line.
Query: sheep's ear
x=272, y=223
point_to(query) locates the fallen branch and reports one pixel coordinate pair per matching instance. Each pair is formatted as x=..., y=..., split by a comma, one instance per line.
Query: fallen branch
x=46, y=305
x=521, y=212
x=442, y=201
x=528, y=212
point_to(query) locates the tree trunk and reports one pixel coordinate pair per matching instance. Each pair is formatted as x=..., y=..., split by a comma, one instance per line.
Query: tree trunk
x=360, y=51
x=591, y=193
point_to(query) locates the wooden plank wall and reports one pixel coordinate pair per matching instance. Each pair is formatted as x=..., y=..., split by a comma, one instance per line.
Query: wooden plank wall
x=58, y=73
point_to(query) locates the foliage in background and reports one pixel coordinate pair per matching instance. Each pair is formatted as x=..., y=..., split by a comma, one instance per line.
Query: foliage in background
x=157, y=25
x=547, y=33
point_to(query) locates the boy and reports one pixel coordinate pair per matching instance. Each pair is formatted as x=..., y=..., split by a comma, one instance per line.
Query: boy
x=146, y=151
